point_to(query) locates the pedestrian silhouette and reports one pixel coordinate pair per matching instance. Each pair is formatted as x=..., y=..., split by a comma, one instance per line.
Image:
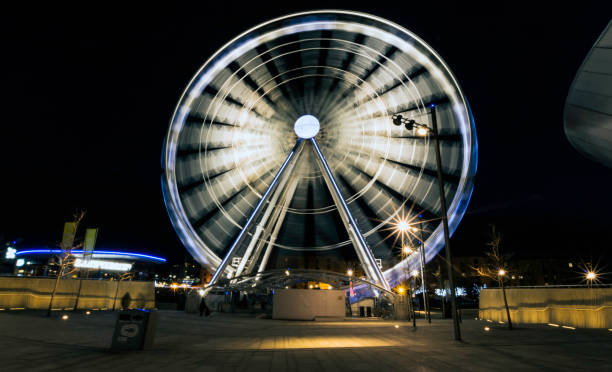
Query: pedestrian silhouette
x=126, y=300
x=204, y=310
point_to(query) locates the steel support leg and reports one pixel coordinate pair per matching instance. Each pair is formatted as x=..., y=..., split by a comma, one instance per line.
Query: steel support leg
x=363, y=251
x=277, y=227
x=258, y=208
x=266, y=215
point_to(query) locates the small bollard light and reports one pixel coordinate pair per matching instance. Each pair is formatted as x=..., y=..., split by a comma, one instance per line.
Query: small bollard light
x=396, y=326
x=487, y=329
x=88, y=312
x=64, y=316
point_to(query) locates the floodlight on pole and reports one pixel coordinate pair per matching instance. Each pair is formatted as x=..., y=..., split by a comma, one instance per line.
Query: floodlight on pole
x=591, y=275
x=423, y=131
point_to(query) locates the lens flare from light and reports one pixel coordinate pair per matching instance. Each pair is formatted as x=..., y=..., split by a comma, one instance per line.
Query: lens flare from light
x=422, y=131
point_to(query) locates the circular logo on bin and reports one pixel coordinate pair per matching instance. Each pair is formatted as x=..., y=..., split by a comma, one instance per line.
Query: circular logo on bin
x=129, y=330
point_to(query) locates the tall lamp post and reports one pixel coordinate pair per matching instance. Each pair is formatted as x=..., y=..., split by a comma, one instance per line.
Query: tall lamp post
x=407, y=251
x=424, y=130
x=423, y=273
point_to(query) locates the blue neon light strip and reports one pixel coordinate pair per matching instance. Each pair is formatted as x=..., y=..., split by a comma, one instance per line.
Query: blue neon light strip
x=53, y=251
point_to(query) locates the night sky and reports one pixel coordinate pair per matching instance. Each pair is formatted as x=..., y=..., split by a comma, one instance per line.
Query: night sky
x=87, y=95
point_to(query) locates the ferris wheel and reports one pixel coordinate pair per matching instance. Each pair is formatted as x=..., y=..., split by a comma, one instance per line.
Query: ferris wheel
x=284, y=145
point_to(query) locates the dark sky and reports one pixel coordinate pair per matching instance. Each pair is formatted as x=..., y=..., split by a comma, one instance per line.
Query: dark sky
x=87, y=94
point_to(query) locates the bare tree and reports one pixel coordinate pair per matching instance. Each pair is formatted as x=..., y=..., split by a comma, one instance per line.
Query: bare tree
x=125, y=276
x=66, y=261
x=494, y=268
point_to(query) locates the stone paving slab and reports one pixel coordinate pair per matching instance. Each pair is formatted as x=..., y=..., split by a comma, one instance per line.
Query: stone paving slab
x=31, y=342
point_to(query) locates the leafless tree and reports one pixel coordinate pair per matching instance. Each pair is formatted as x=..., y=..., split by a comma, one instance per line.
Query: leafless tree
x=122, y=277
x=66, y=260
x=494, y=267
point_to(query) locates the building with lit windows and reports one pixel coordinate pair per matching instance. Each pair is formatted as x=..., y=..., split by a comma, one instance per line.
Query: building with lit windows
x=100, y=264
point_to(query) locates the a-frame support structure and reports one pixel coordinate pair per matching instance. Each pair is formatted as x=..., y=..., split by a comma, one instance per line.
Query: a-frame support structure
x=280, y=193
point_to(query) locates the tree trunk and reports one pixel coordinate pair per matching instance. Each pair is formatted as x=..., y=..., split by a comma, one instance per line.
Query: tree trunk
x=506, y=304
x=76, y=301
x=59, y=275
x=116, y=294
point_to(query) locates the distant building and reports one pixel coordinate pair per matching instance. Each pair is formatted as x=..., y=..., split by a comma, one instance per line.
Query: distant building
x=101, y=264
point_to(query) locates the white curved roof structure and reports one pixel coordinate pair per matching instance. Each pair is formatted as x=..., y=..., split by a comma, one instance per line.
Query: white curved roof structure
x=588, y=109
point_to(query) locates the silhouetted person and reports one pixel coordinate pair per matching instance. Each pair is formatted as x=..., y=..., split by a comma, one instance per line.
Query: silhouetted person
x=126, y=300
x=204, y=310
x=180, y=300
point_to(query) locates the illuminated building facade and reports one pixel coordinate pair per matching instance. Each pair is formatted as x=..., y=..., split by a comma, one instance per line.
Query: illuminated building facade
x=101, y=264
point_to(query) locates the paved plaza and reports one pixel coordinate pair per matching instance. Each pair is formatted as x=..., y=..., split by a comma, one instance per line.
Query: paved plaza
x=240, y=342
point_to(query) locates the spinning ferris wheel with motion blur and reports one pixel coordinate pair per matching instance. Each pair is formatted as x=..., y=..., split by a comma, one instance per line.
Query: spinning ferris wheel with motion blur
x=305, y=138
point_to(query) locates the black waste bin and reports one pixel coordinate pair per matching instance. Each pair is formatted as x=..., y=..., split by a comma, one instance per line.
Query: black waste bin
x=134, y=330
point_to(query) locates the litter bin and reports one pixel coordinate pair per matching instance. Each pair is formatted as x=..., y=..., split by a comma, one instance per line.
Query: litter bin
x=134, y=330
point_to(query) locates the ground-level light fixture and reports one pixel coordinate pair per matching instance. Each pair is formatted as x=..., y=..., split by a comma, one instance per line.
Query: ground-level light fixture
x=487, y=329
x=64, y=317
x=88, y=312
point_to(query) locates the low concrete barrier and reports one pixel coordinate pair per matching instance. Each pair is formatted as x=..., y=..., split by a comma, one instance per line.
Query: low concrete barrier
x=305, y=304
x=35, y=293
x=576, y=307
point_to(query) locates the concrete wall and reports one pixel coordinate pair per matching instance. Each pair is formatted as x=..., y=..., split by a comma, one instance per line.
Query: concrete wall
x=34, y=293
x=576, y=307
x=304, y=304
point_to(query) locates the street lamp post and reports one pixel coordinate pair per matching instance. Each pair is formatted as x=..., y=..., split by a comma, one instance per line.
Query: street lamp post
x=423, y=130
x=423, y=282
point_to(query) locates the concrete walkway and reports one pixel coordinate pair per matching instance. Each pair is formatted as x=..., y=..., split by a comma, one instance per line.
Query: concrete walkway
x=222, y=342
